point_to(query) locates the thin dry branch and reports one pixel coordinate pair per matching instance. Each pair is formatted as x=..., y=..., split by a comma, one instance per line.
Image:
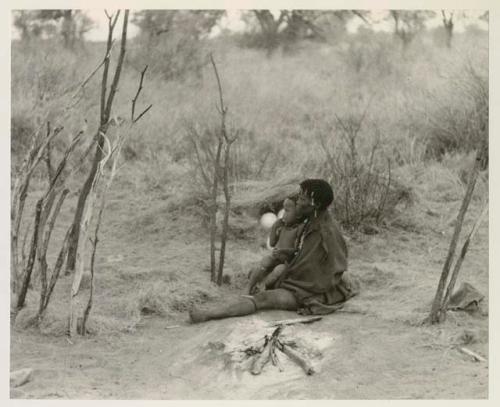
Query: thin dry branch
x=31, y=258
x=62, y=164
x=42, y=250
x=57, y=268
x=19, y=195
x=25, y=239
x=463, y=252
x=116, y=76
x=109, y=45
x=48, y=156
x=213, y=212
x=134, y=100
x=114, y=154
x=298, y=358
x=227, y=207
x=96, y=69
x=193, y=138
x=222, y=108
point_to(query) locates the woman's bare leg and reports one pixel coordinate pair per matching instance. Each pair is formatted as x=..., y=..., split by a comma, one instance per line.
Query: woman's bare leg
x=276, y=299
x=270, y=299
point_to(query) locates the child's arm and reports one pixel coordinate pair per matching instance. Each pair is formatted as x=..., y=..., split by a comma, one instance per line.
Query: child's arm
x=275, y=232
x=286, y=252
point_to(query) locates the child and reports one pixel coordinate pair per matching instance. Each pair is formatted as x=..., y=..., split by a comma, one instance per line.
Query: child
x=283, y=239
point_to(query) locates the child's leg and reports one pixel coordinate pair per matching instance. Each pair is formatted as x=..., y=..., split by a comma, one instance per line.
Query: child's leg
x=271, y=279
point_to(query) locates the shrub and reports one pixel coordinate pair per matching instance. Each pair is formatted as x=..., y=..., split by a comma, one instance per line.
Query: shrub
x=364, y=191
x=459, y=120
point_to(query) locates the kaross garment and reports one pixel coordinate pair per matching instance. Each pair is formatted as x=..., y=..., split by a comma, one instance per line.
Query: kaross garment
x=316, y=274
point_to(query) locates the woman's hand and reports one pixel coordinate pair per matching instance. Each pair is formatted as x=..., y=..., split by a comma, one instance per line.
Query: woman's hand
x=255, y=276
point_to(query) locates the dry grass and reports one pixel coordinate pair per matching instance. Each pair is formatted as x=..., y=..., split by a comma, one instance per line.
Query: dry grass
x=154, y=247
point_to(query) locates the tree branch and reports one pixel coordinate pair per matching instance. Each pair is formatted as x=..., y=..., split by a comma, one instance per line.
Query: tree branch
x=89, y=77
x=116, y=77
x=134, y=100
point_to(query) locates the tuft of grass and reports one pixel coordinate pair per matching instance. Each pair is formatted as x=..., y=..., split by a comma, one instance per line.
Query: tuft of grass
x=459, y=118
x=279, y=104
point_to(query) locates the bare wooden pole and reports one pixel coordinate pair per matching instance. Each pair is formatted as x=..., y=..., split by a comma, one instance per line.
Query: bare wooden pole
x=42, y=253
x=461, y=257
x=105, y=111
x=437, y=315
x=19, y=194
x=213, y=213
x=223, y=171
x=114, y=155
x=31, y=260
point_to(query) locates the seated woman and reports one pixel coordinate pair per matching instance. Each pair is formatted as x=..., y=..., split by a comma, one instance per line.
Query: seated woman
x=314, y=281
x=283, y=238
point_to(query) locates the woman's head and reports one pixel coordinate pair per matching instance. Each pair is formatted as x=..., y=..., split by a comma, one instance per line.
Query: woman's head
x=315, y=194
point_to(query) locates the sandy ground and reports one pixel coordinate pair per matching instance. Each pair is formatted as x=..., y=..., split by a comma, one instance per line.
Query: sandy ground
x=376, y=348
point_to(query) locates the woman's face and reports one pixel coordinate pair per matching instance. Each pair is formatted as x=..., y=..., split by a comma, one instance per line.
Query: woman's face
x=304, y=206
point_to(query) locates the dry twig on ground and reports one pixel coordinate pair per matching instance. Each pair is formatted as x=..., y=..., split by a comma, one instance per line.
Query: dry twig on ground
x=268, y=351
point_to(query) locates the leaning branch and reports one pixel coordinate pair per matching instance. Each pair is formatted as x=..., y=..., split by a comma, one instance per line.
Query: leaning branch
x=437, y=312
x=91, y=75
x=121, y=57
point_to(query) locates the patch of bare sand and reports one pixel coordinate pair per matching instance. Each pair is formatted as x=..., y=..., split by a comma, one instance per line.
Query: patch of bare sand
x=375, y=348
x=356, y=356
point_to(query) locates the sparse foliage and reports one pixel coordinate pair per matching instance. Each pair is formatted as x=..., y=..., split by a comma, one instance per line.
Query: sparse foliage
x=214, y=168
x=362, y=178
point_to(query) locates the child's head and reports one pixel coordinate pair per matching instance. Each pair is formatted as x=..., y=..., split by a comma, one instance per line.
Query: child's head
x=289, y=215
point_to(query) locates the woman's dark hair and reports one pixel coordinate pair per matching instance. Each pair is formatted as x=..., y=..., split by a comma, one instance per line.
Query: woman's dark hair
x=319, y=190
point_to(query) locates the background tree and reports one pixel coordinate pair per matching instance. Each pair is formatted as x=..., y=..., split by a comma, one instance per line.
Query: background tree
x=171, y=42
x=448, y=26
x=269, y=27
x=193, y=23
x=70, y=25
x=407, y=24
x=290, y=26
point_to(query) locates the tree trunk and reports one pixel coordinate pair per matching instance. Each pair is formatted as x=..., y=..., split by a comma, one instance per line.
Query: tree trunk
x=449, y=35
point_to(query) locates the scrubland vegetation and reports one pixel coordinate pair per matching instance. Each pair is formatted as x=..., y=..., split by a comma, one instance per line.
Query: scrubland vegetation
x=392, y=127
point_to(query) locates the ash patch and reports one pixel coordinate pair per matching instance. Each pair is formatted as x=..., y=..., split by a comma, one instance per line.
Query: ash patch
x=249, y=335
